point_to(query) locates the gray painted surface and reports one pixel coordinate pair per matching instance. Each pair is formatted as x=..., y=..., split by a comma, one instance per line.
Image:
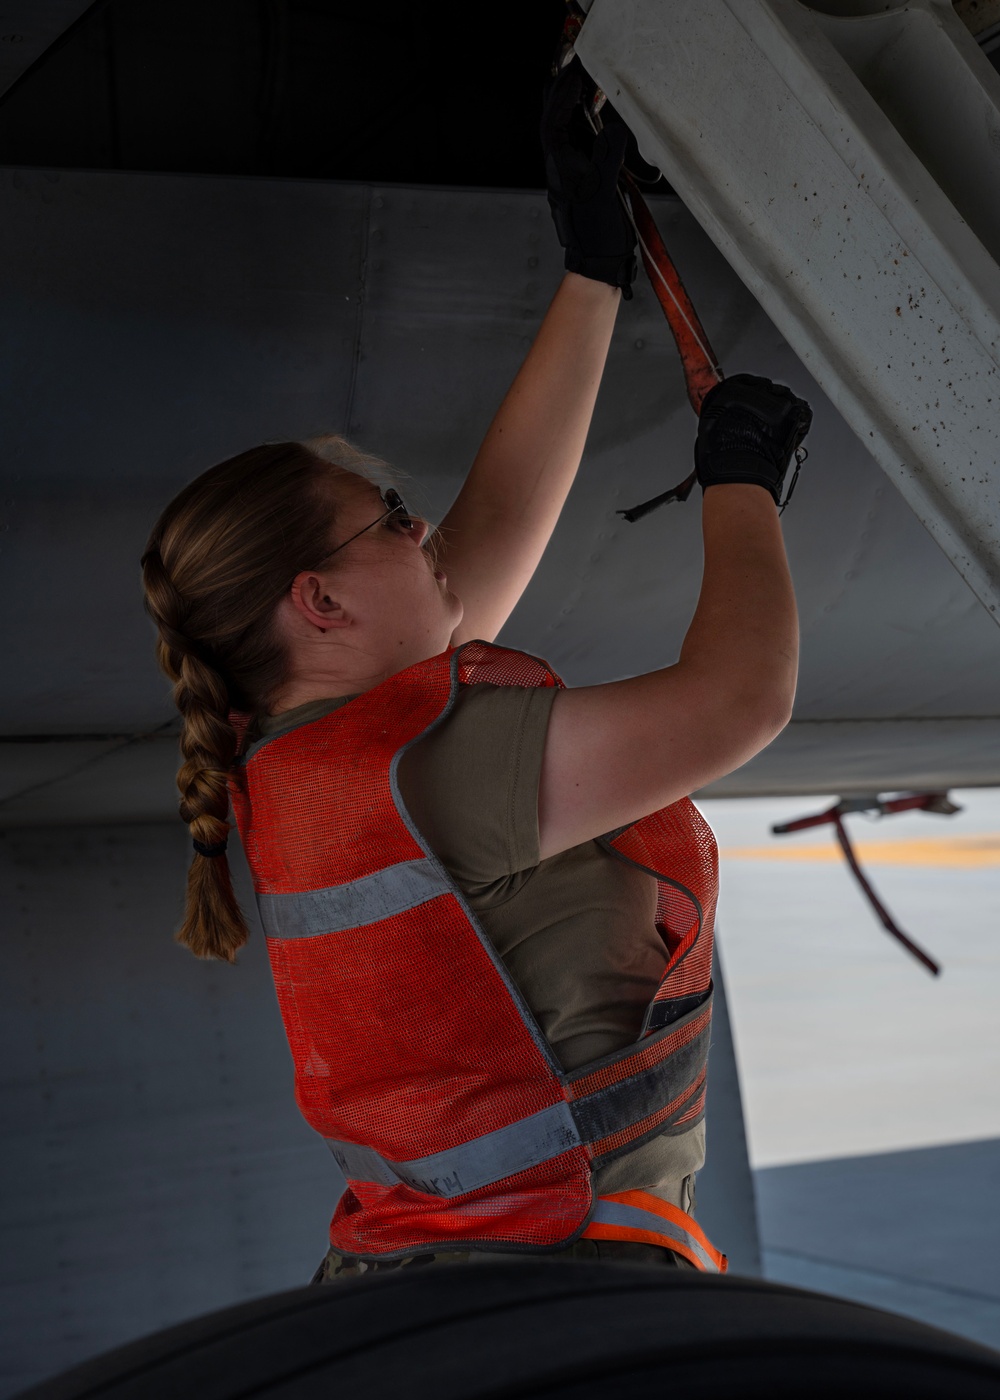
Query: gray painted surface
x=726, y=1206
x=155, y=1166
x=153, y=324
x=132, y=779
x=870, y=1204
x=917, y=1232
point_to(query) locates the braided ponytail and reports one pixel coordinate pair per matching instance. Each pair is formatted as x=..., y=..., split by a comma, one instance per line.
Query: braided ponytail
x=218, y=561
x=214, y=925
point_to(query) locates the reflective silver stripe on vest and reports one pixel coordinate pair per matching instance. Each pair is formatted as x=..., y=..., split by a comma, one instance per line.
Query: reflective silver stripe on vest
x=595, y=1118
x=351, y=905
x=472, y=1164
x=618, y=1213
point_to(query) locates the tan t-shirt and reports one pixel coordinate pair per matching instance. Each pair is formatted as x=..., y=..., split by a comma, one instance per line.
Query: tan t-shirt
x=576, y=932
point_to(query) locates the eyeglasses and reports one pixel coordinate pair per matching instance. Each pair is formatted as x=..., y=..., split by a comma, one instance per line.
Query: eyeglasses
x=392, y=501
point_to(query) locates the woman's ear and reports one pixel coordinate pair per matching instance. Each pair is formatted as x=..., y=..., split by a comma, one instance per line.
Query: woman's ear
x=310, y=597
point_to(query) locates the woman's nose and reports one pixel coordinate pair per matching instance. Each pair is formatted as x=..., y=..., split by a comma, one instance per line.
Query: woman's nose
x=421, y=531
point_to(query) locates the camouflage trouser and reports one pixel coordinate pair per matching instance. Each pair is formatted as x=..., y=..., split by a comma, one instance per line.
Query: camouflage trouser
x=344, y=1266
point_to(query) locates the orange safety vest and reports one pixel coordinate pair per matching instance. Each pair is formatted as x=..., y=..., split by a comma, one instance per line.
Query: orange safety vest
x=416, y=1057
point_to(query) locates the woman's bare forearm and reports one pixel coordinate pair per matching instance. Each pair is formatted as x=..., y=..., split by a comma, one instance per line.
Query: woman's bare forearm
x=532, y=450
x=745, y=626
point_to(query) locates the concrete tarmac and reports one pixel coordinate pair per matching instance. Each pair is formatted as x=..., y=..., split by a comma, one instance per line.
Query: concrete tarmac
x=870, y=1087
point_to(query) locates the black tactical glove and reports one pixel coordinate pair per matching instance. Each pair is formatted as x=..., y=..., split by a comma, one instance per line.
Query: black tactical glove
x=582, y=170
x=748, y=430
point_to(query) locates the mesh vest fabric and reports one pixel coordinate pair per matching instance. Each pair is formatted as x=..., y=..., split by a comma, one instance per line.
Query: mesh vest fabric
x=409, y=1039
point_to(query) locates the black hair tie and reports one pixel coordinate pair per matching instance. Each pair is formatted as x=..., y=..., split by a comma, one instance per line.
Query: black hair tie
x=218, y=850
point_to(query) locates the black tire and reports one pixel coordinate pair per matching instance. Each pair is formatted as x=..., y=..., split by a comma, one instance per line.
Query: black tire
x=567, y=1331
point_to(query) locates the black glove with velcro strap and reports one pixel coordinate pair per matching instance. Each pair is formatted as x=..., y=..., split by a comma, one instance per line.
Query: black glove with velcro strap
x=748, y=431
x=582, y=171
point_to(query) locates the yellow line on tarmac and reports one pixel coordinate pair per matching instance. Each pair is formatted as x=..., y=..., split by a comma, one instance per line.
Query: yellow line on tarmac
x=944, y=852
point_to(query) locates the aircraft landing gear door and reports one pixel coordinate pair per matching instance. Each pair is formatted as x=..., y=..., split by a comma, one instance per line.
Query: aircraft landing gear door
x=842, y=154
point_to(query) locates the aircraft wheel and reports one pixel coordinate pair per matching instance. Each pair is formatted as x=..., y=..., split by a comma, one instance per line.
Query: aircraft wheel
x=566, y=1331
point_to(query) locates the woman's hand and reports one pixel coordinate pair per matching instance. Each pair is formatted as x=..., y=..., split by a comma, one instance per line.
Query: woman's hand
x=582, y=170
x=748, y=431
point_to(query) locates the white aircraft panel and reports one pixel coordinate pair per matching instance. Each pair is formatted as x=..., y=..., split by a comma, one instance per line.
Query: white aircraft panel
x=857, y=201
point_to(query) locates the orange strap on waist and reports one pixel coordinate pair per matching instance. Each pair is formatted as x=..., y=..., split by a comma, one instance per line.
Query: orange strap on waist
x=646, y=1219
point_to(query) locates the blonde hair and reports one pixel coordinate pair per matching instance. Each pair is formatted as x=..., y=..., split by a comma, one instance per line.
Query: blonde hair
x=217, y=563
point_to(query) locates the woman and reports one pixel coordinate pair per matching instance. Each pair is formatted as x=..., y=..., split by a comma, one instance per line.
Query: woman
x=487, y=899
